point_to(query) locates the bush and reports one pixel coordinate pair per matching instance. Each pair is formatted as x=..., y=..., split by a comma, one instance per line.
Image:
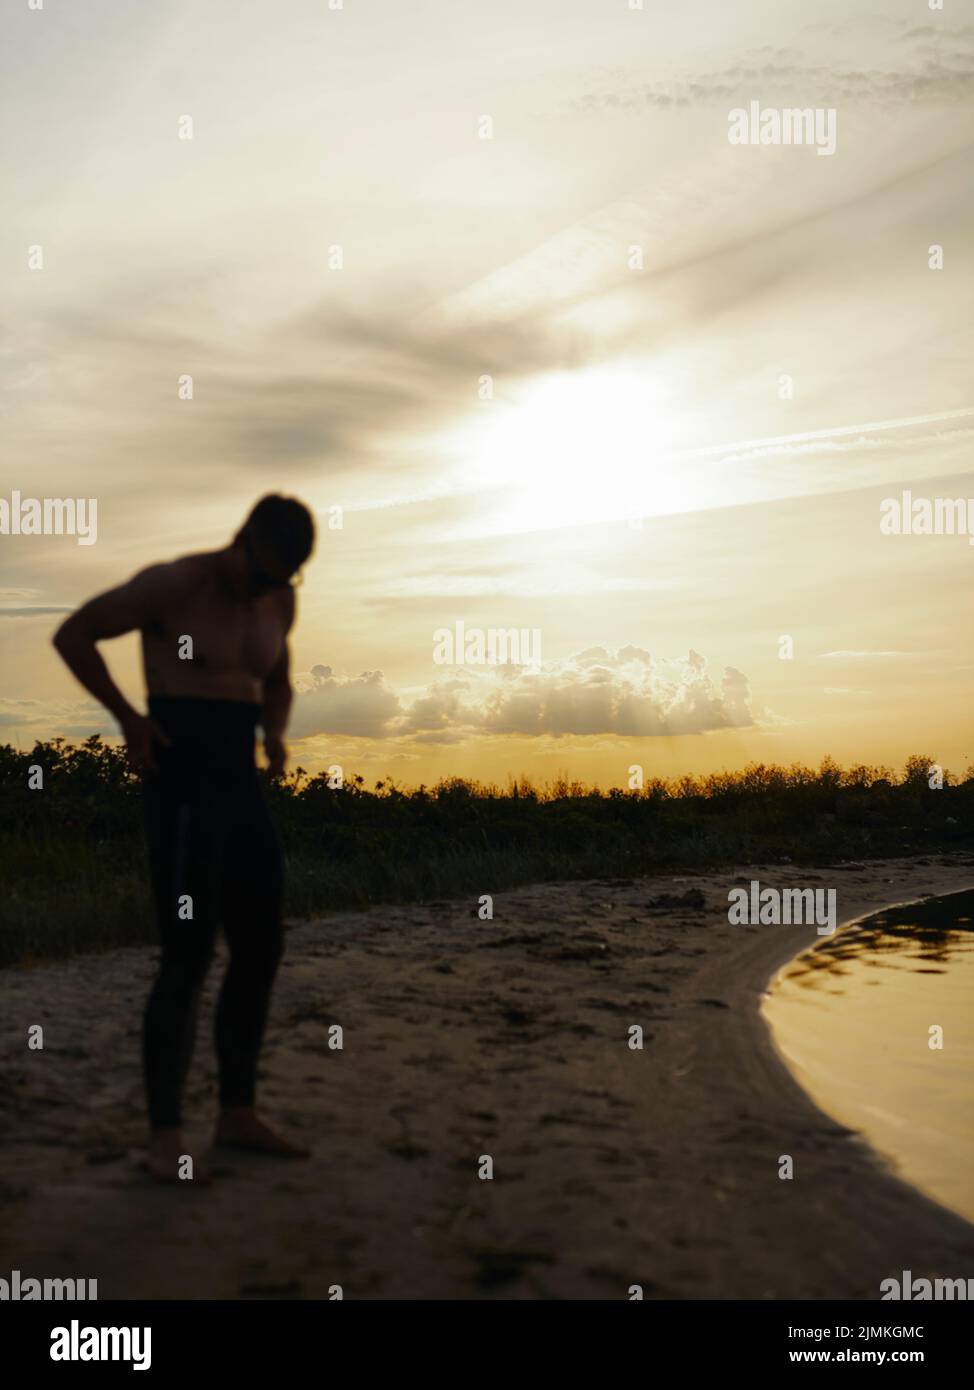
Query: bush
x=74, y=870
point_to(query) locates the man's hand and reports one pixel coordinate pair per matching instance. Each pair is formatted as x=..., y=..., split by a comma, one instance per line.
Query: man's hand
x=128, y=608
x=140, y=733
x=276, y=756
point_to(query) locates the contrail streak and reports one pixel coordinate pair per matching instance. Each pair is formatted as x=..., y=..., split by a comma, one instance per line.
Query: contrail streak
x=709, y=450
x=834, y=432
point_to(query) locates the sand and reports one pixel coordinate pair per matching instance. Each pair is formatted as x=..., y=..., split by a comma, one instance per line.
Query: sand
x=465, y=1038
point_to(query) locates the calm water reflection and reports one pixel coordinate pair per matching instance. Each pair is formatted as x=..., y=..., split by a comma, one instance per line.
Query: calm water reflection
x=853, y=1017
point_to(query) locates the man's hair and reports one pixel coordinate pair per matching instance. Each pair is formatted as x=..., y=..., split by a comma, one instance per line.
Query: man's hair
x=286, y=524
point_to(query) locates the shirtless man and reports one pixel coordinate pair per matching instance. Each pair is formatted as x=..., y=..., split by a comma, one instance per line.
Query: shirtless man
x=214, y=644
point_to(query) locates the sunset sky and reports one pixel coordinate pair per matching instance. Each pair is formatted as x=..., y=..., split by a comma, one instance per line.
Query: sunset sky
x=639, y=487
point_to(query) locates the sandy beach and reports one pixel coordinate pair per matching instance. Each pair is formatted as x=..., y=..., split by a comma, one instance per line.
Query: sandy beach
x=464, y=1038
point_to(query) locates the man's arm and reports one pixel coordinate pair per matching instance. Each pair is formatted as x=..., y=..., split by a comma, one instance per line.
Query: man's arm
x=124, y=609
x=277, y=703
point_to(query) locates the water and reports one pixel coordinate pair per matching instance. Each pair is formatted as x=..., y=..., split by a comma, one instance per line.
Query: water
x=852, y=1016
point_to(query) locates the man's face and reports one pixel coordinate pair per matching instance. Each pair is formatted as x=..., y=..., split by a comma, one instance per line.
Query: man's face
x=265, y=569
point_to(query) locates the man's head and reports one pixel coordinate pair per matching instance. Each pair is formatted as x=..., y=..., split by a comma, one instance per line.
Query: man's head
x=276, y=539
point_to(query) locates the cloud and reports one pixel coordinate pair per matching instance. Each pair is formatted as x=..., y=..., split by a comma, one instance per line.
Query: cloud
x=363, y=705
x=627, y=692
x=930, y=73
x=862, y=656
x=32, y=612
x=330, y=398
x=45, y=719
x=436, y=716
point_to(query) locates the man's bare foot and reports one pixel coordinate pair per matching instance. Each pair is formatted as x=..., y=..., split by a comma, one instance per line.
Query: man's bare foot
x=240, y=1128
x=168, y=1162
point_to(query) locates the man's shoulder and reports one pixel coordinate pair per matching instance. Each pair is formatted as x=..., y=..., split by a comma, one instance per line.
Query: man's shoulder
x=286, y=605
x=174, y=579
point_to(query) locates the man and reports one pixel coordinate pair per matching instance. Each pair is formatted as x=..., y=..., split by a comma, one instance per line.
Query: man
x=214, y=632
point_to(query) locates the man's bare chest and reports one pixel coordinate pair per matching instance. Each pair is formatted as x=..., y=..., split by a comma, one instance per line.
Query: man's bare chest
x=218, y=635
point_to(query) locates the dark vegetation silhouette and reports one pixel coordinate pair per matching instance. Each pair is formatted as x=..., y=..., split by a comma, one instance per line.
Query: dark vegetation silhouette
x=73, y=863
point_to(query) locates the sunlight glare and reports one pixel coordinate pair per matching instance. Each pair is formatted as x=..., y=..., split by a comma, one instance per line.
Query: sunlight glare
x=578, y=447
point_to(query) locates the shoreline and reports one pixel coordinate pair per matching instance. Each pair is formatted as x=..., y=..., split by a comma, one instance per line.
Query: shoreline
x=820, y=1047
x=465, y=1038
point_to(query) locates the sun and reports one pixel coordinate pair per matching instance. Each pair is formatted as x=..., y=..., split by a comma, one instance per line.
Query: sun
x=578, y=447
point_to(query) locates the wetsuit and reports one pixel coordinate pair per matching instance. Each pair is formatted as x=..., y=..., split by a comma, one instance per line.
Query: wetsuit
x=214, y=854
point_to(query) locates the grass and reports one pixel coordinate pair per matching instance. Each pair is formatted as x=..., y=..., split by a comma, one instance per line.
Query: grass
x=75, y=878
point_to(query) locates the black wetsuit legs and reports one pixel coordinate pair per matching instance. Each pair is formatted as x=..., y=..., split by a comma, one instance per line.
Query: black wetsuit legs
x=214, y=855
